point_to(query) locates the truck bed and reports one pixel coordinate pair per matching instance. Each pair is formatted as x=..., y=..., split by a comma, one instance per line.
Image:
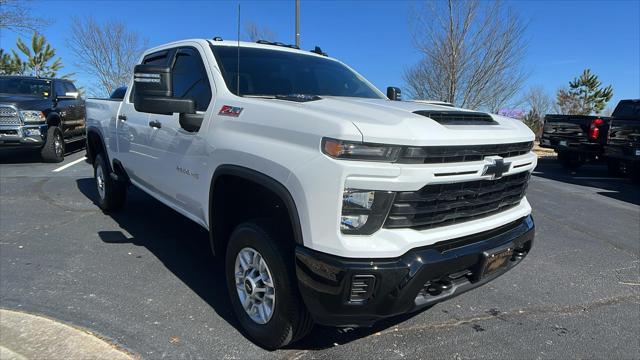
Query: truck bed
x=571, y=132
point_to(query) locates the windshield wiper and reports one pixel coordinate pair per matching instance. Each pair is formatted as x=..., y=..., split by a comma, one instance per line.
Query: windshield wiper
x=290, y=97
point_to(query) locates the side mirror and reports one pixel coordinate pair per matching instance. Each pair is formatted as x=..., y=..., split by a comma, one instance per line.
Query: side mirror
x=152, y=92
x=394, y=93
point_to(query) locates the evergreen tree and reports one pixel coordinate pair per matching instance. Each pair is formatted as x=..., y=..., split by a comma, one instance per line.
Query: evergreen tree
x=584, y=96
x=39, y=56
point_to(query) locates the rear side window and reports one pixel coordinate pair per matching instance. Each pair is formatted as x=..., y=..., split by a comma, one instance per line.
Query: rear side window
x=118, y=94
x=628, y=109
x=190, y=79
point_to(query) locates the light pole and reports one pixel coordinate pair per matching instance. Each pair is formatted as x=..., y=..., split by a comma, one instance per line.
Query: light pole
x=297, y=23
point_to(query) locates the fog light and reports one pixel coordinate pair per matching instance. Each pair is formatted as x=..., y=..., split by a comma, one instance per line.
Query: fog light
x=32, y=132
x=353, y=222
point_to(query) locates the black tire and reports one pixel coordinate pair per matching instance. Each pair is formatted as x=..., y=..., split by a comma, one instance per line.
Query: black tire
x=111, y=193
x=53, y=149
x=290, y=319
x=613, y=167
x=570, y=160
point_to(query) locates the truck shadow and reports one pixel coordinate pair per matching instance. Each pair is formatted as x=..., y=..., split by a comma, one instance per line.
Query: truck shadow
x=591, y=175
x=183, y=247
x=31, y=156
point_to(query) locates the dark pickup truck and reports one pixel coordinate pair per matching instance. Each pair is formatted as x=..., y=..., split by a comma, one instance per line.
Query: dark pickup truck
x=623, y=145
x=40, y=113
x=576, y=138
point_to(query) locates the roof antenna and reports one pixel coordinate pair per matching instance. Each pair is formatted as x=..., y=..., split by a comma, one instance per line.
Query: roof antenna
x=238, y=68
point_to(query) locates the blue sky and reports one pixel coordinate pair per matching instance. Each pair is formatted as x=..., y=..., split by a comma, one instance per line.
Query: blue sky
x=373, y=36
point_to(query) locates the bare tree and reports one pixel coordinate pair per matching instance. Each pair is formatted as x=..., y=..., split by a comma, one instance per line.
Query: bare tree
x=108, y=51
x=471, y=53
x=16, y=15
x=539, y=103
x=255, y=32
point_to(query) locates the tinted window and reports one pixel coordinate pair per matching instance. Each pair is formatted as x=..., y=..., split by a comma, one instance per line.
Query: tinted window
x=70, y=88
x=189, y=78
x=58, y=87
x=119, y=93
x=628, y=109
x=157, y=58
x=273, y=72
x=25, y=86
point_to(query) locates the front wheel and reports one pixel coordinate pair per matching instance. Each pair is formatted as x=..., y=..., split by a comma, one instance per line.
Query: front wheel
x=262, y=285
x=53, y=149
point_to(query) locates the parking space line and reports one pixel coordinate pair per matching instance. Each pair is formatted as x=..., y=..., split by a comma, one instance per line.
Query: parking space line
x=69, y=164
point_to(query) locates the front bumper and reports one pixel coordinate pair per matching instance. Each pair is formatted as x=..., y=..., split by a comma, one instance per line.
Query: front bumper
x=27, y=136
x=417, y=279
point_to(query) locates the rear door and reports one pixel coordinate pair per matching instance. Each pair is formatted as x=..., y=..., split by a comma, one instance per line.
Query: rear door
x=135, y=133
x=182, y=155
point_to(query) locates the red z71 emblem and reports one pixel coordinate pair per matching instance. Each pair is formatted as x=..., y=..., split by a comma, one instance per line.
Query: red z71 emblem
x=227, y=110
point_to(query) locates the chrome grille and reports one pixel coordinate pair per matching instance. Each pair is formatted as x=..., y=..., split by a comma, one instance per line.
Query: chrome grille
x=9, y=116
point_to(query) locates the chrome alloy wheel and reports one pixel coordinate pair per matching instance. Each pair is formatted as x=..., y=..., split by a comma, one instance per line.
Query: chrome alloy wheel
x=254, y=285
x=57, y=145
x=100, y=181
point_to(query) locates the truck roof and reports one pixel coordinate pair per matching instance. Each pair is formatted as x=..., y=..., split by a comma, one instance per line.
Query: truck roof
x=242, y=44
x=33, y=77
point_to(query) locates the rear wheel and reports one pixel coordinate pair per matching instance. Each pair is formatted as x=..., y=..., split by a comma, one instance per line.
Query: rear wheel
x=570, y=160
x=262, y=285
x=53, y=149
x=111, y=193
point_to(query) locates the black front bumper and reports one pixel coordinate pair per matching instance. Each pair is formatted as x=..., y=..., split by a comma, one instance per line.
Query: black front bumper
x=419, y=278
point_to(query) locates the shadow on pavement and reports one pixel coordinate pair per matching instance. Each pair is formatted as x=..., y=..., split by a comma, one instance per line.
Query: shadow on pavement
x=183, y=247
x=32, y=156
x=592, y=175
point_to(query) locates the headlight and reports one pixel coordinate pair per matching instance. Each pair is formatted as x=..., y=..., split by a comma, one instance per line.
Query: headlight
x=32, y=116
x=364, y=211
x=359, y=151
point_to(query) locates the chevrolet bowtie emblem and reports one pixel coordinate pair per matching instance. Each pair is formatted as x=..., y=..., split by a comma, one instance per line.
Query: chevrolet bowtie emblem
x=496, y=168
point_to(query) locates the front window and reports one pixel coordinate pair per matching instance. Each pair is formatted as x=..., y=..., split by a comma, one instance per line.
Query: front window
x=265, y=72
x=25, y=86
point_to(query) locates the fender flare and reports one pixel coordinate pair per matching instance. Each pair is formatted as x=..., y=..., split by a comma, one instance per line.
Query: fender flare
x=264, y=180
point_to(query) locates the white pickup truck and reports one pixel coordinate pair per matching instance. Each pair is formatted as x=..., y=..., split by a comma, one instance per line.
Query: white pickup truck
x=330, y=202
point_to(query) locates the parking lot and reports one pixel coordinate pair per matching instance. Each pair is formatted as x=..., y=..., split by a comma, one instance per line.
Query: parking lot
x=144, y=278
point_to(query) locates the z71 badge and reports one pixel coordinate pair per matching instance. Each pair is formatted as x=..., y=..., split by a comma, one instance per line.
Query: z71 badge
x=227, y=110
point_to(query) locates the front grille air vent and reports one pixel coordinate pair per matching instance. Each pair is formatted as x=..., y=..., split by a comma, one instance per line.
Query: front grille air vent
x=465, y=153
x=447, y=204
x=9, y=116
x=362, y=288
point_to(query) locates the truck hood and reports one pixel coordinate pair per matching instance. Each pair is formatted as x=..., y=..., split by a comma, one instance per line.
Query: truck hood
x=26, y=102
x=394, y=122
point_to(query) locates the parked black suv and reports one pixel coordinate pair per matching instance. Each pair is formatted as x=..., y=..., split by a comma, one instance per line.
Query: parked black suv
x=40, y=113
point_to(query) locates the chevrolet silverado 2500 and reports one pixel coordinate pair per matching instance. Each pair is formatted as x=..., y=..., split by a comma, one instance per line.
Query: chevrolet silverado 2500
x=329, y=202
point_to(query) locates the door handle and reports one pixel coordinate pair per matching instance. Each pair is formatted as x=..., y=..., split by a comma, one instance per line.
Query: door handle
x=122, y=117
x=155, y=124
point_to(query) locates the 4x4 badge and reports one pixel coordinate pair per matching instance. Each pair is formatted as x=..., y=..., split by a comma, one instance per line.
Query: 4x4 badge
x=496, y=168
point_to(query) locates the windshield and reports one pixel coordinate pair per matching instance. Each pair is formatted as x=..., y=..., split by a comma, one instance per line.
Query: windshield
x=25, y=86
x=265, y=72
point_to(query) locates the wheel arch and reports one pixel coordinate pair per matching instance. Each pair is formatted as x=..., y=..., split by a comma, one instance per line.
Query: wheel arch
x=259, y=179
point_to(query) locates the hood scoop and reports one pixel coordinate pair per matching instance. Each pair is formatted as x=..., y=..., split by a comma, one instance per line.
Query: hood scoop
x=458, y=117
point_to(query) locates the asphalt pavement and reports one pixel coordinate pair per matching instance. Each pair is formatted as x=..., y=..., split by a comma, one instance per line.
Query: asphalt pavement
x=144, y=279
